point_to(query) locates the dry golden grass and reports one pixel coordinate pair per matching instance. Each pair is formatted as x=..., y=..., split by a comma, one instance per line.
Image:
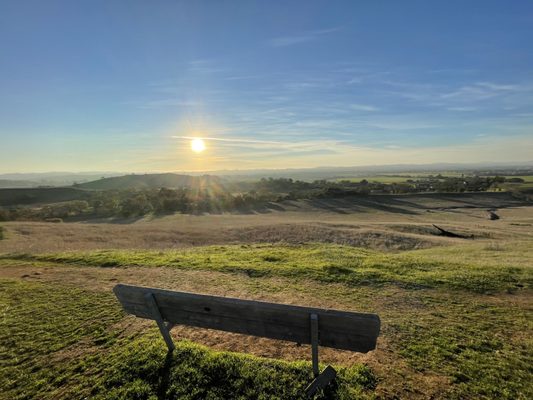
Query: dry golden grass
x=370, y=228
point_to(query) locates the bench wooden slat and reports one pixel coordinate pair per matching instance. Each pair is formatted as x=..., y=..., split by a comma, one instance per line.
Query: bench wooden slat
x=286, y=327
x=252, y=311
x=338, y=329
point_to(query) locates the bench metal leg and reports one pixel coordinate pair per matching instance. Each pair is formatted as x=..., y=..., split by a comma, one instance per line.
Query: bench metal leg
x=321, y=379
x=163, y=328
x=169, y=326
x=314, y=343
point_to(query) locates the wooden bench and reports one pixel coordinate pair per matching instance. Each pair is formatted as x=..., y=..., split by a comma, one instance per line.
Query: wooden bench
x=305, y=325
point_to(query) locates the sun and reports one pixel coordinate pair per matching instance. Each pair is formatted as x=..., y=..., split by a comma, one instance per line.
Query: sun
x=197, y=145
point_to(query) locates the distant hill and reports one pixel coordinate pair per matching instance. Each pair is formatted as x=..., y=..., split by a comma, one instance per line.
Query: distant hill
x=25, y=196
x=9, y=183
x=151, y=181
x=39, y=179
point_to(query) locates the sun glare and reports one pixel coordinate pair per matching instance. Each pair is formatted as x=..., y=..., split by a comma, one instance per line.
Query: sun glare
x=197, y=145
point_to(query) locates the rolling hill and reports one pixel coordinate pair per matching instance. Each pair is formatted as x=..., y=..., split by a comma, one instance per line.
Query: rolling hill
x=8, y=183
x=45, y=195
x=151, y=181
x=26, y=196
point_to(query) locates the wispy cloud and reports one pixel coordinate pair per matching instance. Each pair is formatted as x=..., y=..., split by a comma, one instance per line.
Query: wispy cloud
x=463, y=109
x=242, y=77
x=169, y=103
x=497, y=87
x=479, y=91
x=204, y=67
x=363, y=107
x=312, y=153
x=303, y=37
x=233, y=140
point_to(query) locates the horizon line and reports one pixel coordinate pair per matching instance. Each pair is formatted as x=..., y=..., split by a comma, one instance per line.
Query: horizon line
x=527, y=164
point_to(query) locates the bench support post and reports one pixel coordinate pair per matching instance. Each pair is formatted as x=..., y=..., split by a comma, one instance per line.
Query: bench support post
x=321, y=379
x=314, y=343
x=163, y=328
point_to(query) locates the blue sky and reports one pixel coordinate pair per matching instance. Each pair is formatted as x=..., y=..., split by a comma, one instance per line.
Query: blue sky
x=121, y=85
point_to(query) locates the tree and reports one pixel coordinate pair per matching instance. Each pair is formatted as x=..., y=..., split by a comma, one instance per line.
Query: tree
x=135, y=206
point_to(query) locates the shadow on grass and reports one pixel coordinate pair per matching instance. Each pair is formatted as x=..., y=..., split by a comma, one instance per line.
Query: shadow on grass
x=164, y=373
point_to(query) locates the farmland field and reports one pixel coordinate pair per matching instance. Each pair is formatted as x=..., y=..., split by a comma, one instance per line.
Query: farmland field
x=456, y=313
x=404, y=177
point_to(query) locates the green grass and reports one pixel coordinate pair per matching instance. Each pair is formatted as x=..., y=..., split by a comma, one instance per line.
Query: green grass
x=466, y=321
x=1, y=232
x=400, y=177
x=526, y=178
x=326, y=263
x=58, y=342
x=477, y=344
x=378, y=178
x=403, y=177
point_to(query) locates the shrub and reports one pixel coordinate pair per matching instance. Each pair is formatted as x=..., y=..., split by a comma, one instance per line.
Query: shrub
x=54, y=220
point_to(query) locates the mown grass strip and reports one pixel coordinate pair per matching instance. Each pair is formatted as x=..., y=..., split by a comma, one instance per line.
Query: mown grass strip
x=324, y=263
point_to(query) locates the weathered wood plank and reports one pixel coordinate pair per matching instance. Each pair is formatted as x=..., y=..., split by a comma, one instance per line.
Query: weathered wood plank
x=337, y=329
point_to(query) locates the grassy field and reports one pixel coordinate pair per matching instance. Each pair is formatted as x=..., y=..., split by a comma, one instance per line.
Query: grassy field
x=325, y=264
x=526, y=178
x=403, y=177
x=456, y=314
x=400, y=177
x=381, y=178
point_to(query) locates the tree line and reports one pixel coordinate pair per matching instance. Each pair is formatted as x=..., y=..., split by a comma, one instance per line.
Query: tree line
x=235, y=197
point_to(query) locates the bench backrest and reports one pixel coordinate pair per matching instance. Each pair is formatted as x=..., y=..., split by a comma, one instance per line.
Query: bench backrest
x=337, y=329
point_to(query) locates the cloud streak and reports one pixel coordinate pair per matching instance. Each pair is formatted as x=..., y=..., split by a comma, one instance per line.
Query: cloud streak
x=480, y=91
x=232, y=140
x=363, y=107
